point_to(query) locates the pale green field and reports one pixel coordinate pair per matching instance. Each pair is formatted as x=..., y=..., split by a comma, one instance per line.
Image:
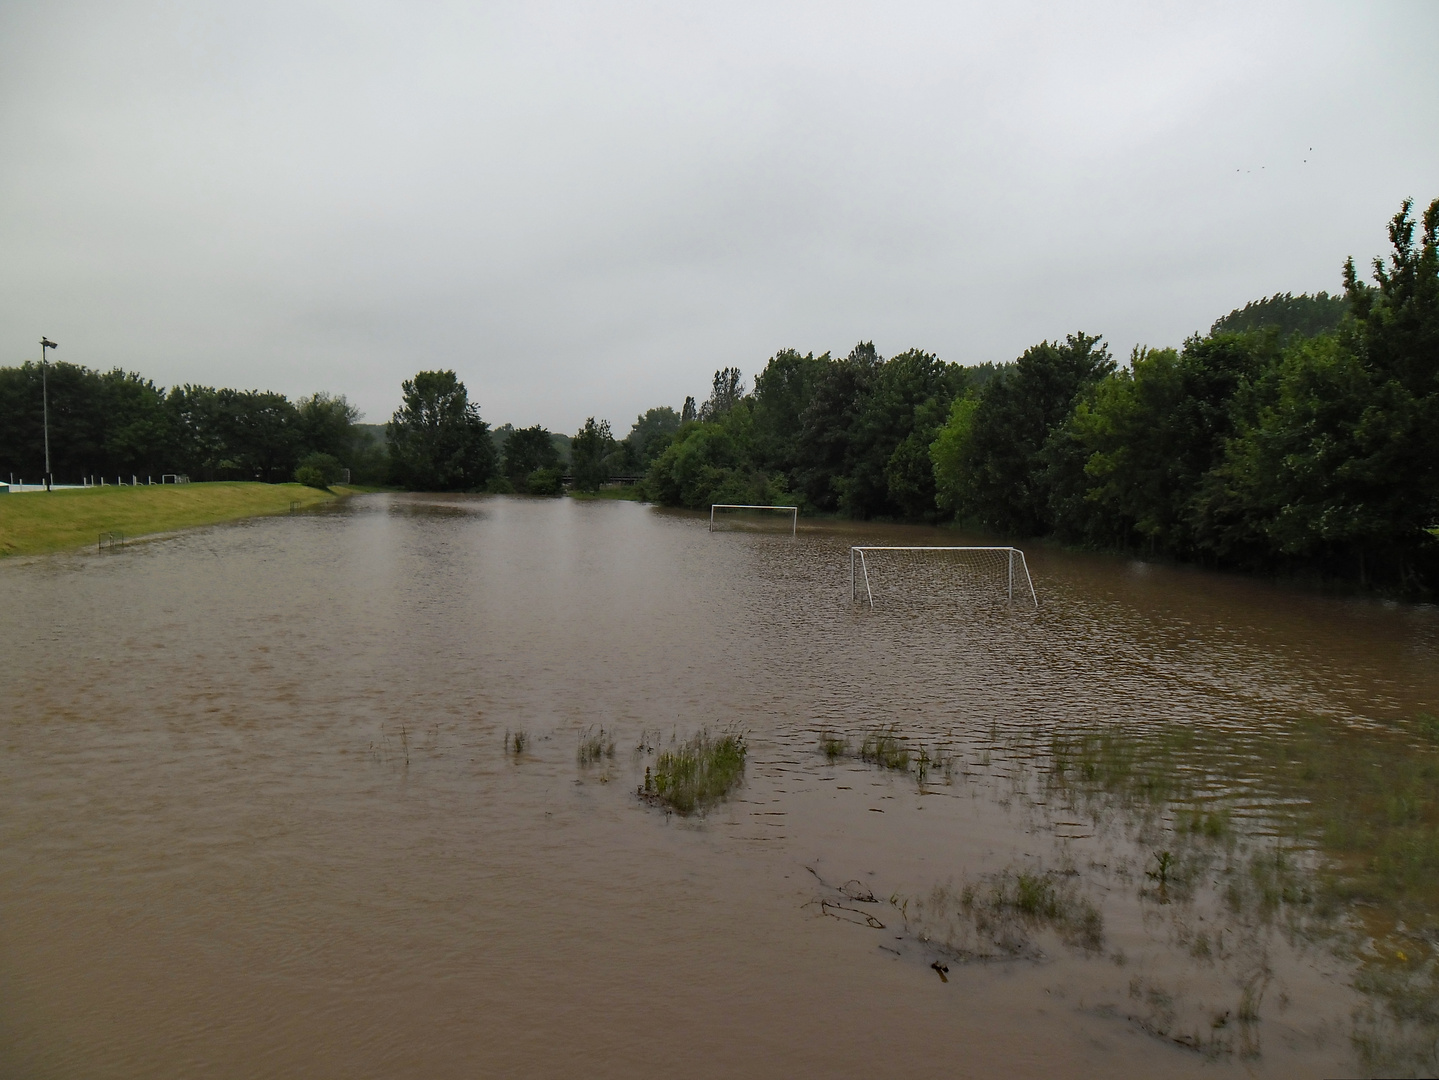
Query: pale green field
x=36, y=522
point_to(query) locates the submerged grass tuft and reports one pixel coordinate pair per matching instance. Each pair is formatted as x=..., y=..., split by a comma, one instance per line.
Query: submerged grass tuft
x=594, y=748
x=516, y=741
x=832, y=746
x=996, y=916
x=698, y=773
x=884, y=747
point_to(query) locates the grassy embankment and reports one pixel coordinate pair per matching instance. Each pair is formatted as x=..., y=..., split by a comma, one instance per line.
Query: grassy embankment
x=34, y=522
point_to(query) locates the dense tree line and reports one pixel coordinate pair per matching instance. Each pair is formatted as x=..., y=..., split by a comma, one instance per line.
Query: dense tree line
x=119, y=423
x=1299, y=432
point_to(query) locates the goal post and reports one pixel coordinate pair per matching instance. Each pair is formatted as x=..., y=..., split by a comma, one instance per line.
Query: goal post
x=1004, y=567
x=792, y=511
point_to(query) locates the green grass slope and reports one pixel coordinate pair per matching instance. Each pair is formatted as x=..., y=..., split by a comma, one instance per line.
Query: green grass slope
x=36, y=522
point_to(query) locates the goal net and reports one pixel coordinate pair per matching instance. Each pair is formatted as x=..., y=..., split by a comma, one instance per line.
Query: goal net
x=918, y=574
x=755, y=518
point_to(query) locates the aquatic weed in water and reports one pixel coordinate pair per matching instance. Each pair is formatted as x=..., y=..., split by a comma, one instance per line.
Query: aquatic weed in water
x=833, y=746
x=595, y=747
x=698, y=773
x=883, y=747
x=995, y=916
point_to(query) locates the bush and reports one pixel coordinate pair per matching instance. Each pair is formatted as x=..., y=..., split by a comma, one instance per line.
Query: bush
x=544, y=482
x=310, y=477
x=318, y=471
x=499, y=485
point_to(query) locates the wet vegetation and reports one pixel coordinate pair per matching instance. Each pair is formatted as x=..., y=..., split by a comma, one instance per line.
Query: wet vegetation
x=1338, y=844
x=595, y=746
x=694, y=775
x=832, y=746
x=884, y=747
x=998, y=916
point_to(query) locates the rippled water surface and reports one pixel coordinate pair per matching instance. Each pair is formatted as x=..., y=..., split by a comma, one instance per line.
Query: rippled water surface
x=258, y=816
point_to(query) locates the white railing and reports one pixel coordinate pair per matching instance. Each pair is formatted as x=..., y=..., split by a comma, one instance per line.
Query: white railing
x=1015, y=557
x=794, y=511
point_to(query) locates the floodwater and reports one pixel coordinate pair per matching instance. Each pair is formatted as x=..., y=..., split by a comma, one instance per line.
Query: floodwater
x=259, y=816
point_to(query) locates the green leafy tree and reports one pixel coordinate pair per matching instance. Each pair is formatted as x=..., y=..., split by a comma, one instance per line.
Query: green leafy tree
x=1005, y=485
x=1130, y=466
x=591, y=453
x=527, y=450
x=326, y=425
x=825, y=449
x=891, y=473
x=260, y=433
x=782, y=393
x=725, y=393
x=112, y=423
x=318, y=470
x=651, y=433
x=949, y=454
x=712, y=462
x=437, y=440
x=1334, y=466
x=547, y=482
x=1287, y=315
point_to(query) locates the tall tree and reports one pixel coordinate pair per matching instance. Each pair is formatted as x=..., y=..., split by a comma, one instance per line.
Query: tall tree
x=824, y=452
x=590, y=452
x=526, y=450
x=782, y=393
x=1004, y=476
x=725, y=393
x=650, y=434
x=437, y=440
x=1286, y=314
x=326, y=425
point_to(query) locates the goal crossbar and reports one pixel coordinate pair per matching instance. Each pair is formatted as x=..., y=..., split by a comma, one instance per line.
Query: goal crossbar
x=1015, y=559
x=793, y=510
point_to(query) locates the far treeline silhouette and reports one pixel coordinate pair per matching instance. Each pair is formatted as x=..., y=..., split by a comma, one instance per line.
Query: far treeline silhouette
x=1300, y=434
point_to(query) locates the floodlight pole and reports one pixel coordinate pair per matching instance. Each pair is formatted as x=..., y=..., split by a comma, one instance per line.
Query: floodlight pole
x=45, y=345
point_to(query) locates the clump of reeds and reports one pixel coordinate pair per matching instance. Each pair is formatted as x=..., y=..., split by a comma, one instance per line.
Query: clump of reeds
x=941, y=761
x=698, y=773
x=995, y=916
x=833, y=746
x=595, y=747
x=884, y=747
x=1212, y=824
x=1038, y=899
x=516, y=741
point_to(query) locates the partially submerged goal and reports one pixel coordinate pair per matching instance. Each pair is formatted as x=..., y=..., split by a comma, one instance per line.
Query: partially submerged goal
x=995, y=570
x=750, y=514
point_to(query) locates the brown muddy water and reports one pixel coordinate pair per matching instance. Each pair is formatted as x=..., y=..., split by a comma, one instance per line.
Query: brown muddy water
x=258, y=816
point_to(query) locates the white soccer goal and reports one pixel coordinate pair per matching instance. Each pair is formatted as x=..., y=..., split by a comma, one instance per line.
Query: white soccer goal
x=995, y=571
x=743, y=512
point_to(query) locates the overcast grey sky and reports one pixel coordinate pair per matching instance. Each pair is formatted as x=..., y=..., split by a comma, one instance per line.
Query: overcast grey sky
x=587, y=208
